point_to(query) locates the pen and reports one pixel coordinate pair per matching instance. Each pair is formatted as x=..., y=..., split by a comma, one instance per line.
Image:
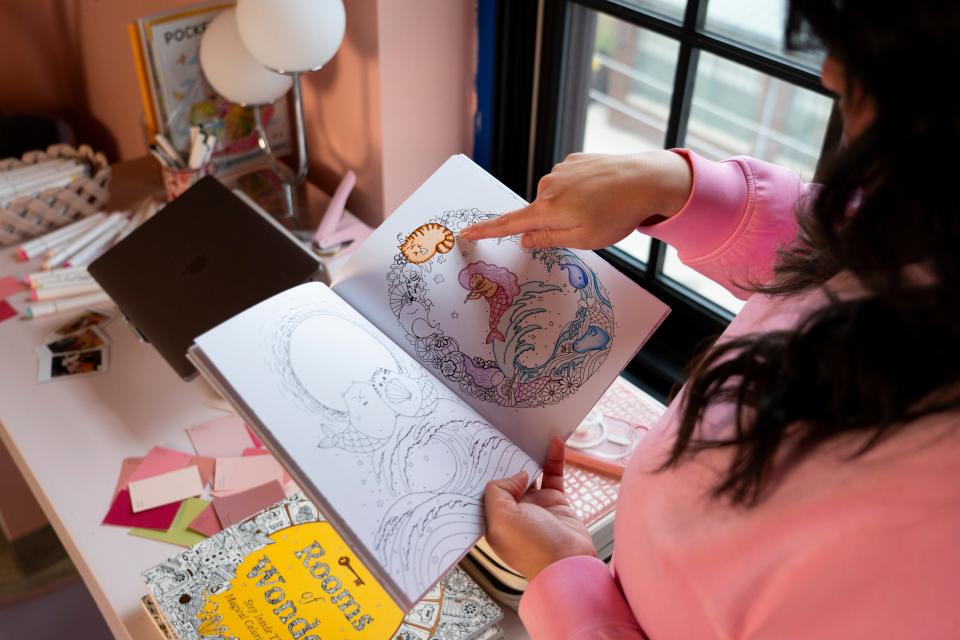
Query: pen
x=169, y=150
x=89, y=236
x=86, y=255
x=56, y=306
x=66, y=291
x=33, y=248
x=35, y=279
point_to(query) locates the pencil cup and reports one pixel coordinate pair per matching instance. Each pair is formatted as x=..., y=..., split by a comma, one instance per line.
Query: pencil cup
x=176, y=181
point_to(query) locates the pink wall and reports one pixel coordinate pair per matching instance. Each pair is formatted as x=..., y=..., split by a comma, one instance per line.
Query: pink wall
x=391, y=105
x=427, y=88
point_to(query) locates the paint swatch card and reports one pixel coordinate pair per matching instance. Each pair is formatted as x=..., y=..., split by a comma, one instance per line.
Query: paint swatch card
x=121, y=514
x=179, y=532
x=160, y=460
x=9, y=286
x=127, y=467
x=173, y=486
x=7, y=311
x=220, y=438
x=206, y=522
x=240, y=506
x=240, y=474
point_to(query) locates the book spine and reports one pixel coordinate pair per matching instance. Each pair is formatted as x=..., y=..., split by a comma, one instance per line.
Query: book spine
x=156, y=615
x=149, y=114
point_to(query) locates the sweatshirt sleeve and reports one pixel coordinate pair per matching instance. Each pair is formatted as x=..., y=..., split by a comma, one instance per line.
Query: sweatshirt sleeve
x=739, y=213
x=577, y=598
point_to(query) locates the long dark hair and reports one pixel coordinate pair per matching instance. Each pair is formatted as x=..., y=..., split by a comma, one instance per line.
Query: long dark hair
x=888, y=213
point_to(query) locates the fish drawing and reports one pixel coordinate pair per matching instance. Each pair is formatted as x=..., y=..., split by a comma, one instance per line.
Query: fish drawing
x=426, y=241
x=593, y=340
x=497, y=285
x=576, y=275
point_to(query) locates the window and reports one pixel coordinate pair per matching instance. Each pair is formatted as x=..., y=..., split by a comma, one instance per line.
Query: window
x=619, y=76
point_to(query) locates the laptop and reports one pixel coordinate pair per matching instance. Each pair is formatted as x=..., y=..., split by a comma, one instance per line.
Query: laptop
x=202, y=259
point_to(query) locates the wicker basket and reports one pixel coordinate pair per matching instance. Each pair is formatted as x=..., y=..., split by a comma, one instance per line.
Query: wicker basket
x=31, y=216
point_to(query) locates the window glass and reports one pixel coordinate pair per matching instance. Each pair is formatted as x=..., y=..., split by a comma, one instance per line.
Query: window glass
x=759, y=24
x=629, y=93
x=738, y=111
x=667, y=8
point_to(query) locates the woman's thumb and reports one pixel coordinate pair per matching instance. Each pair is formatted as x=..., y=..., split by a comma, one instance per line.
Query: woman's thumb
x=503, y=494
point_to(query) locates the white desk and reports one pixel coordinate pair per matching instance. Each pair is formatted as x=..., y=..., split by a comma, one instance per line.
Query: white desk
x=69, y=437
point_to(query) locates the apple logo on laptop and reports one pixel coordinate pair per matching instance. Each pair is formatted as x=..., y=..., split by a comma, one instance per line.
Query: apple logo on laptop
x=195, y=266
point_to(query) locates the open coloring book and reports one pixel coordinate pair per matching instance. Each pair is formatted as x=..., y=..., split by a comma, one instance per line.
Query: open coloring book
x=433, y=365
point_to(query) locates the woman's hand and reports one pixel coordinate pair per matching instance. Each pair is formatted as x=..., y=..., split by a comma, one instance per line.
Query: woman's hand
x=591, y=201
x=533, y=529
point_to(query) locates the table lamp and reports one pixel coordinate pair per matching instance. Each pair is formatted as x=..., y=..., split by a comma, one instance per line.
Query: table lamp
x=255, y=53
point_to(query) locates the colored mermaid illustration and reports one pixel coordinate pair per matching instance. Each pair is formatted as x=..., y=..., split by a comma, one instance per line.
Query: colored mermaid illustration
x=497, y=285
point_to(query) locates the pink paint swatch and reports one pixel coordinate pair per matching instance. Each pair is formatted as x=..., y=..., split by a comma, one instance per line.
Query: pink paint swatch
x=206, y=467
x=253, y=436
x=263, y=452
x=121, y=514
x=159, y=460
x=9, y=286
x=166, y=488
x=6, y=311
x=240, y=506
x=206, y=522
x=127, y=467
x=239, y=474
x=220, y=438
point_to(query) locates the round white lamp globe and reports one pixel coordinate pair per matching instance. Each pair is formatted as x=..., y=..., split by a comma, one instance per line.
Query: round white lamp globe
x=232, y=71
x=291, y=35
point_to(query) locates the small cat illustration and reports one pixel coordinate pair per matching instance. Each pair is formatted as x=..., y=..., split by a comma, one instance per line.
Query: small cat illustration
x=426, y=241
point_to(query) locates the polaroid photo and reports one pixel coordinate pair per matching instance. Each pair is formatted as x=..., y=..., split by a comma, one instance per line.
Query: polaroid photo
x=84, y=340
x=89, y=318
x=77, y=364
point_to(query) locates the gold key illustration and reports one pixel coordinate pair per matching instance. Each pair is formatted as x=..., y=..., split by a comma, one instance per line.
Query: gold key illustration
x=345, y=562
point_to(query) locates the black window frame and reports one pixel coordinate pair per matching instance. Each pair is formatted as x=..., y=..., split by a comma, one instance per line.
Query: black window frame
x=531, y=41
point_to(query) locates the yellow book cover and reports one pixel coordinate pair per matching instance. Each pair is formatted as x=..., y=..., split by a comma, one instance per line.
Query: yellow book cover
x=284, y=574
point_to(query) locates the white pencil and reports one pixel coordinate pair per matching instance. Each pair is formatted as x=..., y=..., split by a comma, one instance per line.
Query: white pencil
x=56, y=293
x=68, y=304
x=33, y=248
x=86, y=238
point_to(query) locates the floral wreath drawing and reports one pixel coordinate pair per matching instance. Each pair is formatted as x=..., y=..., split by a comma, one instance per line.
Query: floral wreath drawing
x=500, y=376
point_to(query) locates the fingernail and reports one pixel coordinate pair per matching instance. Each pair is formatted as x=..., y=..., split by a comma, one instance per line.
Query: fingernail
x=466, y=233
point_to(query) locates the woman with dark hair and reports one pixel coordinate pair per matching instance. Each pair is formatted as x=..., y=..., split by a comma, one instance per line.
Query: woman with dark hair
x=804, y=482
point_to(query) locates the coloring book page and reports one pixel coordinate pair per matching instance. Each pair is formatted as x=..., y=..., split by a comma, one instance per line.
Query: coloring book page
x=529, y=338
x=397, y=461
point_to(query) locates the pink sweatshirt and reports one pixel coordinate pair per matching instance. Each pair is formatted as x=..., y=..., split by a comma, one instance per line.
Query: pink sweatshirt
x=843, y=548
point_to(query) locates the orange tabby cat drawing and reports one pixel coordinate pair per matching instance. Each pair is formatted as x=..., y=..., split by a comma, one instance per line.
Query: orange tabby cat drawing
x=426, y=241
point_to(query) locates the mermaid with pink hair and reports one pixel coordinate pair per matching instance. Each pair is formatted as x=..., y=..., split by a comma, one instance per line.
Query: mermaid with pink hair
x=497, y=285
